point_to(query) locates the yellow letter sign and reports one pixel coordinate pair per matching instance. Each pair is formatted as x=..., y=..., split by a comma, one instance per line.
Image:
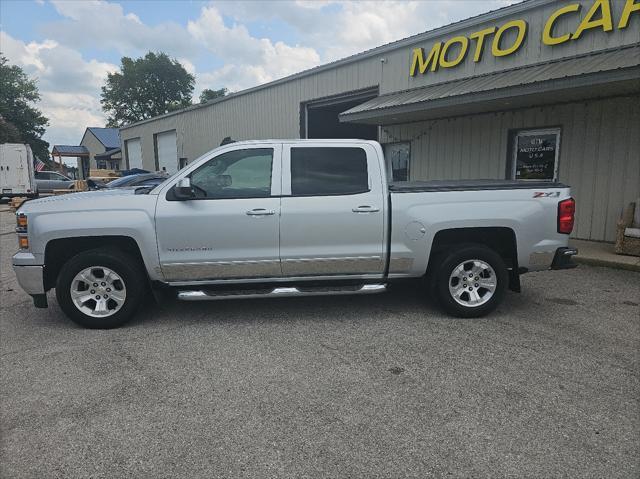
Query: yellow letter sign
x=496, y=50
x=604, y=21
x=547, y=37
x=464, y=44
x=629, y=7
x=599, y=16
x=419, y=63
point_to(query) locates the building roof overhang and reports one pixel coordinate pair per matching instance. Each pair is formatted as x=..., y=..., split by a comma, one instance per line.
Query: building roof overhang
x=108, y=155
x=69, y=150
x=605, y=73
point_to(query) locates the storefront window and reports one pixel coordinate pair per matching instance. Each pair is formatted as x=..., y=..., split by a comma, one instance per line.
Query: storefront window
x=535, y=154
x=398, y=157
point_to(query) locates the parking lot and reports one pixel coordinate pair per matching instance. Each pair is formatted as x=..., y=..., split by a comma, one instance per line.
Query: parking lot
x=375, y=386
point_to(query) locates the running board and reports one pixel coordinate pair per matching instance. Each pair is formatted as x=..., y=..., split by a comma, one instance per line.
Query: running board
x=209, y=295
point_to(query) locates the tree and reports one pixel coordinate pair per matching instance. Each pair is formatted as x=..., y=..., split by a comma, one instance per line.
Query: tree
x=8, y=132
x=209, y=94
x=20, y=122
x=146, y=87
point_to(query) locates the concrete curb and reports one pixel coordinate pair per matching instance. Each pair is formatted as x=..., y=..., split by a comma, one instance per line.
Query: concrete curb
x=607, y=263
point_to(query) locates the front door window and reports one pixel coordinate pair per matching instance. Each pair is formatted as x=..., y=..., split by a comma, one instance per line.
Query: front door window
x=236, y=174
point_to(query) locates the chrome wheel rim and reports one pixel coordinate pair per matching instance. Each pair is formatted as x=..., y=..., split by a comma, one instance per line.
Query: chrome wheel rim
x=98, y=292
x=472, y=283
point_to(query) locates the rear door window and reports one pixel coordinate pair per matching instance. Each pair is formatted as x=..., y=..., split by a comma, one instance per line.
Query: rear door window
x=328, y=171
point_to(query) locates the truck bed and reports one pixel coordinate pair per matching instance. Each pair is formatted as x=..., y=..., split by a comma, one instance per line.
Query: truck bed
x=470, y=185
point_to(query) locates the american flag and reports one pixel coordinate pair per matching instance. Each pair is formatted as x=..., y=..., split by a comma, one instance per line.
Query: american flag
x=39, y=165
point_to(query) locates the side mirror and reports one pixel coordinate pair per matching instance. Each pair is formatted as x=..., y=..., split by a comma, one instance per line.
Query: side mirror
x=183, y=189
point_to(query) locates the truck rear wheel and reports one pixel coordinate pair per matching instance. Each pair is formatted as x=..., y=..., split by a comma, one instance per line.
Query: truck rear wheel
x=470, y=281
x=100, y=288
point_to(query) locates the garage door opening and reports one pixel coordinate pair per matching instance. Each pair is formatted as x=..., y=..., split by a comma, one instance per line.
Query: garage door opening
x=133, y=150
x=166, y=152
x=320, y=117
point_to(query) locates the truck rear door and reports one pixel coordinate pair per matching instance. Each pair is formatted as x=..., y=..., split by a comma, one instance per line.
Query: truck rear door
x=333, y=209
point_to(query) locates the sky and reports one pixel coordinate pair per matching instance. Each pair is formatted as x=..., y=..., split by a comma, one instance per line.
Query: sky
x=70, y=46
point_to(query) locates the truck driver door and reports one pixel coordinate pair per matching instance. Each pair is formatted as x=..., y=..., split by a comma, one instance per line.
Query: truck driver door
x=230, y=228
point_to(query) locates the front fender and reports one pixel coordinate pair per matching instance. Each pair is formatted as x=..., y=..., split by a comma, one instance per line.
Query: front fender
x=136, y=224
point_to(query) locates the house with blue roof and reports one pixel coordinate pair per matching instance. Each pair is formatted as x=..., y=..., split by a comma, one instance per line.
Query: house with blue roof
x=103, y=146
x=98, y=149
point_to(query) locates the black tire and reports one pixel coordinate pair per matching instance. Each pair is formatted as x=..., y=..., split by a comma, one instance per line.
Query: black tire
x=124, y=265
x=446, y=265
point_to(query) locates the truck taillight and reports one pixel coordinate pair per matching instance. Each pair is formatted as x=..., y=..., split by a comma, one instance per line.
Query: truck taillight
x=566, y=215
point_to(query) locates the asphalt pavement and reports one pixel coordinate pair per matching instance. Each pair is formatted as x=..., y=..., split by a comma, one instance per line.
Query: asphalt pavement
x=375, y=386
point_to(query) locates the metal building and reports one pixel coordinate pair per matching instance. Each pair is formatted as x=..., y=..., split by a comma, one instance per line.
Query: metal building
x=537, y=90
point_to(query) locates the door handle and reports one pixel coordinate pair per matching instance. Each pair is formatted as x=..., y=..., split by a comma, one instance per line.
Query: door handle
x=260, y=212
x=365, y=209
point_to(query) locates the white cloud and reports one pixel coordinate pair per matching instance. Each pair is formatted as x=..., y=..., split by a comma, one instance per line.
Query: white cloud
x=188, y=65
x=69, y=114
x=26, y=55
x=248, y=60
x=328, y=30
x=123, y=32
x=340, y=28
x=69, y=86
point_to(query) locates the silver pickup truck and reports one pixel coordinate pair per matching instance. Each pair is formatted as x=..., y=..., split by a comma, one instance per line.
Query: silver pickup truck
x=289, y=218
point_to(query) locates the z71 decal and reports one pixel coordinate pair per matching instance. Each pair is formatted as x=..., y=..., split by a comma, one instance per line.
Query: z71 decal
x=546, y=194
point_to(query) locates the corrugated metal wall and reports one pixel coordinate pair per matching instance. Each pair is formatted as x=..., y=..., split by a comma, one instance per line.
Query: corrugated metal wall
x=599, y=153
x=268, y=113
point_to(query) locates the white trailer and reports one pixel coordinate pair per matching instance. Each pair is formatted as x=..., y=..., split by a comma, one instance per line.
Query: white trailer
x=16, y=171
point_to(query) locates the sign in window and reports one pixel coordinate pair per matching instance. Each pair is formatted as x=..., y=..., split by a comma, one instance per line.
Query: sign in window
x=535, y=154
x=398, y=157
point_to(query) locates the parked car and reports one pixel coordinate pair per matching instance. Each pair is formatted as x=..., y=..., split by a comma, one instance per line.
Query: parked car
x=16, y=171
x=48, y=181
x=145, y=179
x=289, y=218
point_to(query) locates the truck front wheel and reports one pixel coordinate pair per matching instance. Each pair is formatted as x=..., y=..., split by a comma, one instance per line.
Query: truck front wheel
x=470, y=281
x=100, y=288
